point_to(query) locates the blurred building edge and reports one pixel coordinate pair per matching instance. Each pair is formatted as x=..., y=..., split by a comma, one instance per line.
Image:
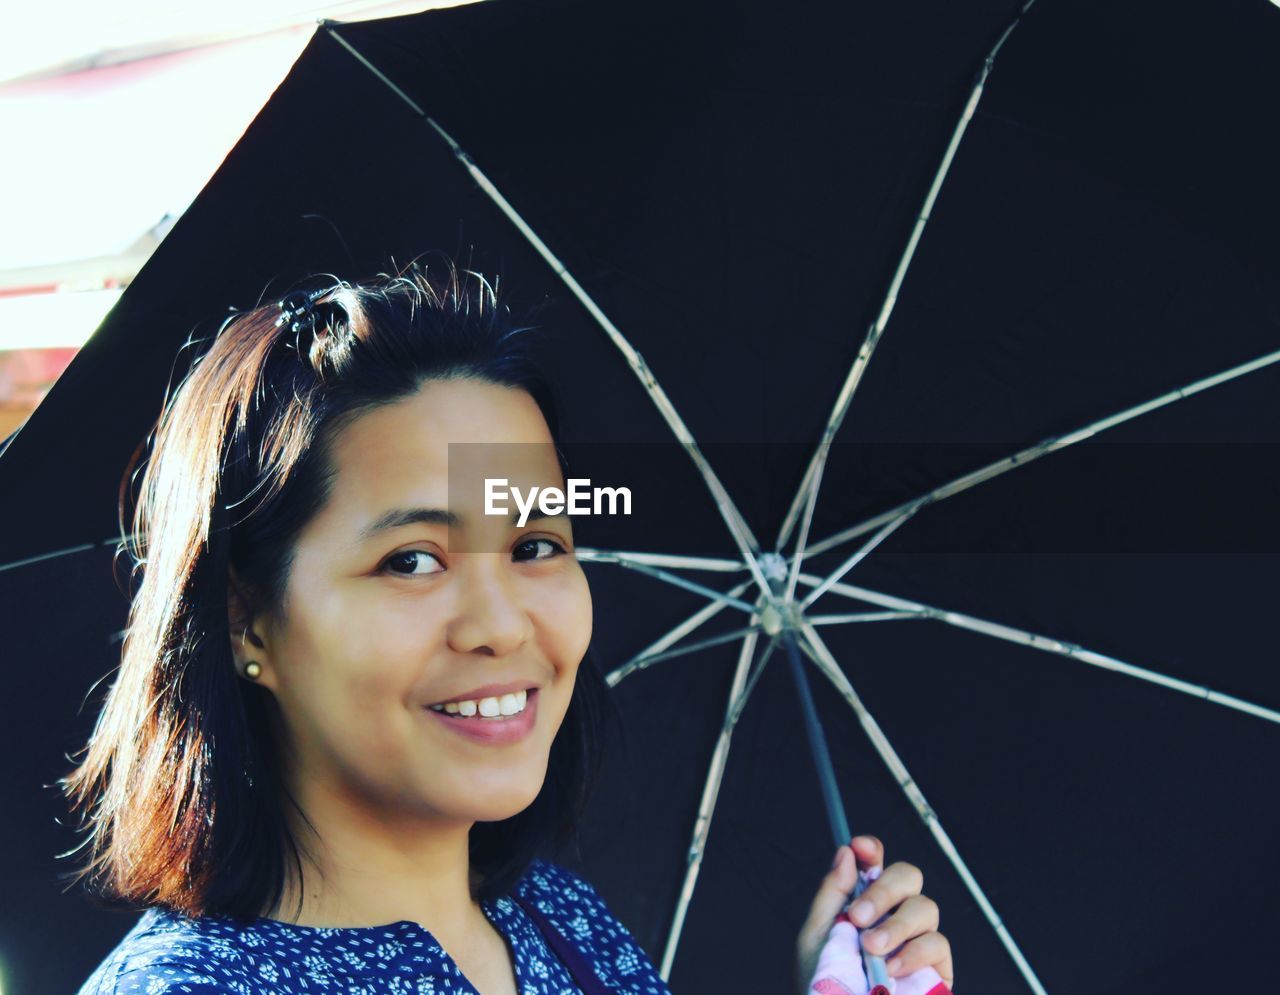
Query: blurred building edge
x=48, y=313
x=94, y=273
x=25, y=377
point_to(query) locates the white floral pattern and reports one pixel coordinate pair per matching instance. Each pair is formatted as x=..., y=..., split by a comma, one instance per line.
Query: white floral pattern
x=167, y=953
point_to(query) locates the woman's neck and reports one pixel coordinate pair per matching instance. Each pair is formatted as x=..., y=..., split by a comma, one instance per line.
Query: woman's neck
x=361, y=868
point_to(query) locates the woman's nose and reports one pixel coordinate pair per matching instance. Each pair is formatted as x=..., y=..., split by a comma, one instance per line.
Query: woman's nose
x=490, y=615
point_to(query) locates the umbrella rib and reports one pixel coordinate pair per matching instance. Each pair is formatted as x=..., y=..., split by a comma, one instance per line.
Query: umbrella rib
x=736, y=712
x=813, y=473
x=863, y=617
x=675, y=635
x=688, y=585
x=645, y=659
x=741, y=532
x=738, y=693
x=675, y=560
x=817, y=651
x=52, y=555
x=853, y=560
x=1062, y=648
x=811, y=485
x=1051, y=444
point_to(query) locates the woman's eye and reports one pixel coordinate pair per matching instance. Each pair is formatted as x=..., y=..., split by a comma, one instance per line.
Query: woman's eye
x=409, y=558
x=555, y=546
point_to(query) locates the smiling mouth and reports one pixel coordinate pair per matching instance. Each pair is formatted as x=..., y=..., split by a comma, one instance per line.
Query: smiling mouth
x=491, y=730
x=494, y=708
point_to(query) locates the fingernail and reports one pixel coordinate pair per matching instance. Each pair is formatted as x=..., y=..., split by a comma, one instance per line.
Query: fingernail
x=875, y=939
x=836, y=863
x=862, y=912
x=894, y=965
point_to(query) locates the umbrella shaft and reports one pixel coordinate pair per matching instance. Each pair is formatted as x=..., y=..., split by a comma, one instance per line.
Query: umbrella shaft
x=873, y=963
x=836, y=818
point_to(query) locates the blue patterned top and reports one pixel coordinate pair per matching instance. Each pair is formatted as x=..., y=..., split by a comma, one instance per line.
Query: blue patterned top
x=167, y=953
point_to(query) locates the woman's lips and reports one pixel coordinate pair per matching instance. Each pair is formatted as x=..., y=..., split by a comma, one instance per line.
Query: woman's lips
x=508, y=729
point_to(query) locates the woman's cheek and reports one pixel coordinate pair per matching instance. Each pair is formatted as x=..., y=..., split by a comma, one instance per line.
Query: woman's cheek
x=369, y=704
x=570, y=649
x=573, y=610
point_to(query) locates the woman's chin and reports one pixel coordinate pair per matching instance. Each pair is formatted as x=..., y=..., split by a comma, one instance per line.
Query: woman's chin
x=498, y=814
x=493, y=804
x=472, y=813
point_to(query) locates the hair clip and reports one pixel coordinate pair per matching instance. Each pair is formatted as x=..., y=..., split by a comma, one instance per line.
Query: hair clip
x=298, y=309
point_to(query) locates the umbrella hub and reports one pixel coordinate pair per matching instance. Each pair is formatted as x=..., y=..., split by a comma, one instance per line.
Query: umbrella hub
x=771, y=619
x=779, y=611
x=774, y=567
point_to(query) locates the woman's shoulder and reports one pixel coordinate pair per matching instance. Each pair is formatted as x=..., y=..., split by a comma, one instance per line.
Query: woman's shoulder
x=168, y=953
x=164, y=952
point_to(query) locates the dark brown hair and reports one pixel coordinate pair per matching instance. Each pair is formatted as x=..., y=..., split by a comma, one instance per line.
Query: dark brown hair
x=181, y=788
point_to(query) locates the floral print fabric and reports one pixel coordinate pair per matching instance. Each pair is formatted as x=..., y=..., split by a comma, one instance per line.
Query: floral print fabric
x=167, y=953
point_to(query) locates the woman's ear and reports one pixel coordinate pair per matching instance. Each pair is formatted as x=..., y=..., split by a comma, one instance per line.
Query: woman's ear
x=248, y=650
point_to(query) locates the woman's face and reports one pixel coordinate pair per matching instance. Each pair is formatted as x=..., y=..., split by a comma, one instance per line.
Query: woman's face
x=381, y=622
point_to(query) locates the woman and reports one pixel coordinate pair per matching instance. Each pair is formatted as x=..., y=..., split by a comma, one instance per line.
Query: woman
x=350, y=713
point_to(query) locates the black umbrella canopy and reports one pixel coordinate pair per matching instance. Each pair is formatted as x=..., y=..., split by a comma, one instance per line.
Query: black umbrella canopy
x=734, y=187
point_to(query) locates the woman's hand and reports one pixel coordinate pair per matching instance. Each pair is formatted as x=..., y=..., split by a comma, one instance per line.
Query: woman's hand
x=908, y=939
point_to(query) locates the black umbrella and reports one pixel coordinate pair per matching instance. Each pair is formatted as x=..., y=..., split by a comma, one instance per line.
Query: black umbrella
x=1043, y=406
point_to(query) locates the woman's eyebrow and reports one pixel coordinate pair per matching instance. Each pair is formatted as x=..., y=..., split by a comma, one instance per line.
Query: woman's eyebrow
x=398, y=517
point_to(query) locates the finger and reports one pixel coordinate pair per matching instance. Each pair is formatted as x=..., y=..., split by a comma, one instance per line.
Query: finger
x=869, y=851
x=914, y=917
x=832, y=895
x=896, y=883
x=930, y=950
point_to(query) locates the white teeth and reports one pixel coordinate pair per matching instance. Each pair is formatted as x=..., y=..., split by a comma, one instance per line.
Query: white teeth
x=489, y=708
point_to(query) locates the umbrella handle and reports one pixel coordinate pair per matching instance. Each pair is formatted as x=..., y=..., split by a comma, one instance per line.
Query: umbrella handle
x=839, y=969
x=873, y=964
